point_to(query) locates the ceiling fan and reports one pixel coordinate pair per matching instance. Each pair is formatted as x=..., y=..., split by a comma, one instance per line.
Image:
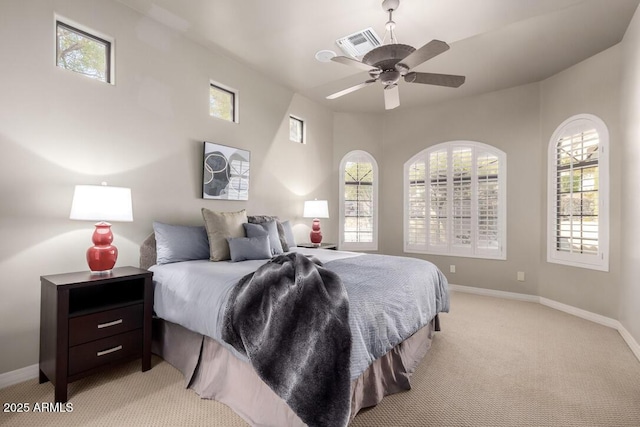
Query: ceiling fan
x=390, y=62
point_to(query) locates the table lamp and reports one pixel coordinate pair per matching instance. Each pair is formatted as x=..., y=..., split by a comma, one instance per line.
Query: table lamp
x=316, y=209
x=102, y=203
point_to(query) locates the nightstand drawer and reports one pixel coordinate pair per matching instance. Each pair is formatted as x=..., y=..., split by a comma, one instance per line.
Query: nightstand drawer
x=86, y=356
x=104, y=324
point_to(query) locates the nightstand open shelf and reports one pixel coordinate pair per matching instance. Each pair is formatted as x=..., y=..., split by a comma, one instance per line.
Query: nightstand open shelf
x=89, y=322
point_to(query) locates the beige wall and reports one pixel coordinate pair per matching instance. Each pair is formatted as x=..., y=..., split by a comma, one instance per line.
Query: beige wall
x=630, y=179
x=592, y=86
x=59, y=129
x=506, y=119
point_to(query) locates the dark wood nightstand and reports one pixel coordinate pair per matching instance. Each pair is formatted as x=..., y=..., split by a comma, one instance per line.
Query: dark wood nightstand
x=89, y=322
x=321, y=246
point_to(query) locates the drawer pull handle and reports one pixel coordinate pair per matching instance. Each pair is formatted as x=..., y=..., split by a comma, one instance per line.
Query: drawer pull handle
x=106, y=325
x=111, y=350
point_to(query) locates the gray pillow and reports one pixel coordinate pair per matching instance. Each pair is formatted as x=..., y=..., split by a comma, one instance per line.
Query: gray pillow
x=259, y=219
x=175, y=243
x=245, y=248
x=288, y=234
x=220, y=226
x=269, y=227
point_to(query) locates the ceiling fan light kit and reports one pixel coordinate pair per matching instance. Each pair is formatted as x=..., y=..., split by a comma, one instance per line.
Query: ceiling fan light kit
x=325, y=55
x=390, y=62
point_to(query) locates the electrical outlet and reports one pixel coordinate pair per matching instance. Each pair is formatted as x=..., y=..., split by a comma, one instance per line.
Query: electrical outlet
x=521, y=276
x=452, y=268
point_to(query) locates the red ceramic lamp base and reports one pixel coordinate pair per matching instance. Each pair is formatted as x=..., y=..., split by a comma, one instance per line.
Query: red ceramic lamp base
x=103, y=255
x=316, y=234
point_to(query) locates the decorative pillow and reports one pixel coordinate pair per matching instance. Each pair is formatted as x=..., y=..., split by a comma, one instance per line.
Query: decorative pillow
x=244, y=248
x=175, y=243
x=288, y=234
x=269, y=229
x=220, y=226
x=258, y=219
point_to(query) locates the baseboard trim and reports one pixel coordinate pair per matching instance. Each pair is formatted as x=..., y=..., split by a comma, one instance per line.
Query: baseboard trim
x=583, y=314
x=631, y=342
x=494, y=293
x=19, y=375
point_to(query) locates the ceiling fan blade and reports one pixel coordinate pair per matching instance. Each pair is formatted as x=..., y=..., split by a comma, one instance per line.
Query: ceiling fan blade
x=351, y=89
x=426, y=52
x=348, y=61
x=435, y=79
x=391, y=97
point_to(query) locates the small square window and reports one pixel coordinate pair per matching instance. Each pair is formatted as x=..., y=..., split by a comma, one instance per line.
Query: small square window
x=82, y=52
x=222, y=103
x=296, y=129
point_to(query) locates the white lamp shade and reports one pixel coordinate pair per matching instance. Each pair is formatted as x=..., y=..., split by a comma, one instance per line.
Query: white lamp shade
x=316, y=209
x=101, y=203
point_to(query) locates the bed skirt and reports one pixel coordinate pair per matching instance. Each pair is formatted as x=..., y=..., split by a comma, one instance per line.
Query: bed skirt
x=215, y=373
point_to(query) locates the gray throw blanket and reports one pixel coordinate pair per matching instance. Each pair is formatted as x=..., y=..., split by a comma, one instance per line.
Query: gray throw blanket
x=291, y=319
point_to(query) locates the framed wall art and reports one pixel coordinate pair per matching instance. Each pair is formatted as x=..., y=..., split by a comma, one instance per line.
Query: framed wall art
x=225, y=172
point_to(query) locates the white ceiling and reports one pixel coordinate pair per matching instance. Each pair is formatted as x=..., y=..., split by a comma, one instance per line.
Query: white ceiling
x=496, y=44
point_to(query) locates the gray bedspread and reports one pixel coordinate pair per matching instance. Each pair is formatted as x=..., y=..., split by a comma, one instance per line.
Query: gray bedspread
x=390, y=297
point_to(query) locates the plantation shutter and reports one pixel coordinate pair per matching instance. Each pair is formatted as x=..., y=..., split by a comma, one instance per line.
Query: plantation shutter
x=417, y=215
x=462, y=159
x=455, y=201
x=488, y=202
x=577, y=198
x=438, y=200
x=578, y=193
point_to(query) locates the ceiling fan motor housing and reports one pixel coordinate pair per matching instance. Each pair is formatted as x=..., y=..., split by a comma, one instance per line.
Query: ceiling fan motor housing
x=387, y=56
x=390, y=77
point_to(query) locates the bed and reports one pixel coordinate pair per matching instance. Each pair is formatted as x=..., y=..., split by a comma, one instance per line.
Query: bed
x=385, y=351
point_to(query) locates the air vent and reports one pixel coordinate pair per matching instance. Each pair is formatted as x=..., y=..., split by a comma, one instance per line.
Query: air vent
x=358, y=44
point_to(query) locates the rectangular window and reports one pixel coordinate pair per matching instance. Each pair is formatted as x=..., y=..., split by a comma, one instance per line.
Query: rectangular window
x=223, y=103
x=82, y=52
x=296, y=130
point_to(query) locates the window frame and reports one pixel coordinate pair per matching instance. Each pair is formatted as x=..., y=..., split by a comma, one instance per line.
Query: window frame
x=91, y=34
x=235, y=101
x=600, y=261
x=362, y=246
x=449, y=248
x=303, y=129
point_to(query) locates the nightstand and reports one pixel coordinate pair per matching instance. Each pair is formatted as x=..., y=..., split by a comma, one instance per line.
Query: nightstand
x=89, y=322
x=332, y=246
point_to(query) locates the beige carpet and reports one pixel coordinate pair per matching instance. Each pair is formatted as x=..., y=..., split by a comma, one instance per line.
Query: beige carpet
x=495, y=363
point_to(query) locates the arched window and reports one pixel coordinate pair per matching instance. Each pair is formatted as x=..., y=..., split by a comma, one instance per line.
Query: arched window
x=455, y=201
x=358, y=201
x=578, y=194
